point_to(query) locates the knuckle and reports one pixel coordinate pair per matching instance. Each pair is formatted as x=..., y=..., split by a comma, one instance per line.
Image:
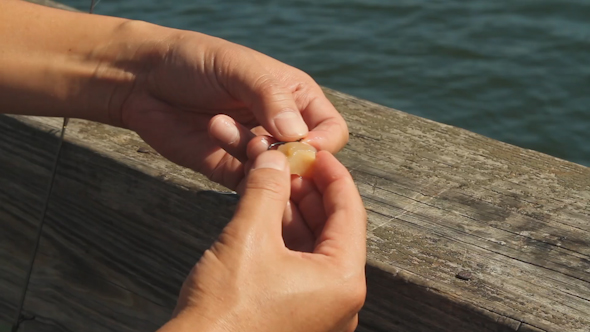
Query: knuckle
x=358, y=296
x=353, y=324
x=354, y=291
x=225, y=61
x=263, y=83
x=266, y=86
x=345, y=133
x=266, y=185
x=362, y=211
x=229, y=54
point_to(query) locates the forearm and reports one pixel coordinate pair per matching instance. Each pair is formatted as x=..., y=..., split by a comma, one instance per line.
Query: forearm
x=59, y=63
x=186, y=322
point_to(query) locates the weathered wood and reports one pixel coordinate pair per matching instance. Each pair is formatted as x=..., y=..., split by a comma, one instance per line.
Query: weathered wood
x=92, y=249
x=124, y=227
x=34, y=325
x=18, y=221
x=442, y=199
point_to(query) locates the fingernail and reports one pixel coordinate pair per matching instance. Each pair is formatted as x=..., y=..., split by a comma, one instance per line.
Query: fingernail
x=270, y=159
x=227, y=132
x=290, y=124
x=264, y=143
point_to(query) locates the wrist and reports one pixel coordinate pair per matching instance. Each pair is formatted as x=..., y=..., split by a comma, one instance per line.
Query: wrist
x=185, y=322
x=66, y=64
x=119, y=66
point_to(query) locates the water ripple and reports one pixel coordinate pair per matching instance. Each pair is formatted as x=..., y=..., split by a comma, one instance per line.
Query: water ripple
x=517, y=71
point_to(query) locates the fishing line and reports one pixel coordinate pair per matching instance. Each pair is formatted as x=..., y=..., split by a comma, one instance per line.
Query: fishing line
x=17, y=318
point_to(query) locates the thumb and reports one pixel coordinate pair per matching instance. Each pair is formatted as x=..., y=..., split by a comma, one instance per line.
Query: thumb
x=270, y=100
x=266, y=192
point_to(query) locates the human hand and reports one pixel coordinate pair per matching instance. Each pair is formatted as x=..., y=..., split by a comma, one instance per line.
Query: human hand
x=194, y=77
x=250, y=280
x=197, y=99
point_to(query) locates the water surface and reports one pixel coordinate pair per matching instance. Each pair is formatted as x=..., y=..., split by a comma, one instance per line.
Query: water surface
x=516, y=71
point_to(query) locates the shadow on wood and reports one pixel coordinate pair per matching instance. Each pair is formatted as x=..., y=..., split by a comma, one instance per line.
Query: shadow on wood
x=124, y=227
x=118, y=243
x=393, y=304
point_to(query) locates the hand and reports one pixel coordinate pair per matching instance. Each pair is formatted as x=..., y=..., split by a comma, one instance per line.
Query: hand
x=173, y=106
x=198, y=100
x=249, y=280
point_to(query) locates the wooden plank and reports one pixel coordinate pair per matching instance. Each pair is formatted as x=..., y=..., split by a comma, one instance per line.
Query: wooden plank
x=89, y=251
x=34, y=325
x=396, y=304
x=20, y=203
x=528, y=328
x=131, y=224
x=442, y=200
x=5, y=327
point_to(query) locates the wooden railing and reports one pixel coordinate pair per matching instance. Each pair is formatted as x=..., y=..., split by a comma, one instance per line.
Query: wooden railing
x=465, y=233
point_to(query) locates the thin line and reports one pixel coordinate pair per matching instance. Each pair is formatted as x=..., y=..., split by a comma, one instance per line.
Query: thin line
x=16, y=323
x=92, y=4
x=40, y=228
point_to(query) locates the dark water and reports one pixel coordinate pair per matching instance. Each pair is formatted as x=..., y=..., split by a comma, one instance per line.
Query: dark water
x=516, y=71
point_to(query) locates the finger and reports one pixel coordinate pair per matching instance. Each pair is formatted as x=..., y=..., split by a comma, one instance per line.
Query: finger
x=258, y=145
x=271, y=101
x=329, y=136
x=353, y=324
x=255, y=147
x=230, y=136
x=265, y=195
x=296, y=234
x=182, y=138
x=223, y=168
x=328, y=129
x=310, y=204
x=344, y=233
x=260, y=131
x=301, y=187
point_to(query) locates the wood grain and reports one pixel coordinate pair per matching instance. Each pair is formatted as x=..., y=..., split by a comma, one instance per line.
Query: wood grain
x=18, y=220
x=124, y=227
x=442, y=200
x=92, y=249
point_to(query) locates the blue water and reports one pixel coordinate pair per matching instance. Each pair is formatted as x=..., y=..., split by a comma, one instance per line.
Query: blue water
x=516, y=71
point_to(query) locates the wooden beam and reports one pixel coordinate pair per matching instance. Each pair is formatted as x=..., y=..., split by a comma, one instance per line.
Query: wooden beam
x=124, y=227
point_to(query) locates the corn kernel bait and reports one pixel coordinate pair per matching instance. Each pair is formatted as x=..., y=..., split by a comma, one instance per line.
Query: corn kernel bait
x=301, y=157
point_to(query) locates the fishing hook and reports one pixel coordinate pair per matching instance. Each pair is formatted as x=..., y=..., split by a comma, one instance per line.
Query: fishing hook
x=281, y=143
